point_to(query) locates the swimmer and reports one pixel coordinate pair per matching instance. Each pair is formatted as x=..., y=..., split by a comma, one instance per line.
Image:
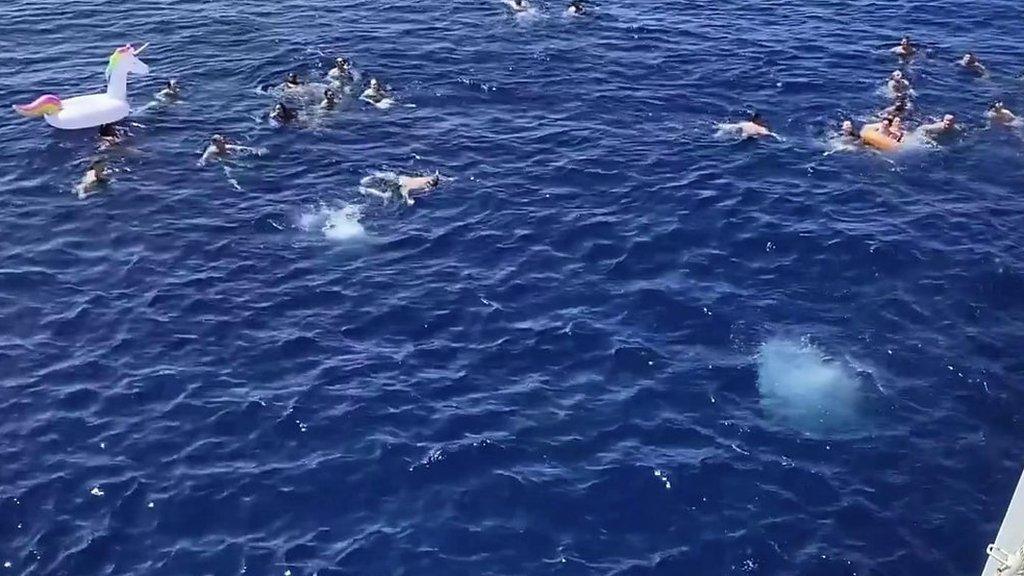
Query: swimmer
x=376, y=93
x=387, y=184
x=170, y=91
x=95, y=176
x=282, y=114
x=847, y=133
x=971, y=63
x=292, y=81
x=899, y=108
x=999, y=113
x=754, y=127
x=219, y=147
x=109, y=136
x=944, y=126
x=330, y=100
x=342, y=71
x=518, y=5
x=905, y=48
x=896, y=131
x=576, y=8
x=898, y=84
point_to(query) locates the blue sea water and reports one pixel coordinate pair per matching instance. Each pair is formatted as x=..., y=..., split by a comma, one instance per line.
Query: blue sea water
x=611, y=343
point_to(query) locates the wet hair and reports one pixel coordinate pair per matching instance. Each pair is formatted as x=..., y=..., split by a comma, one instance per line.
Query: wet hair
x=97, y=163
x=756, y=118
x=996, y=104
x=328, y=93
x=108, y=131
x=292, y=78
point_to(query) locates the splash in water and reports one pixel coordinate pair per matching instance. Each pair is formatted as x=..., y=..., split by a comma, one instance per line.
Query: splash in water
x=800, y=385
x=336, y=223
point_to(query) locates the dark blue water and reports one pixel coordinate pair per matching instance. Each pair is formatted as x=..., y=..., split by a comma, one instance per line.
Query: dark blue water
x=611, y=343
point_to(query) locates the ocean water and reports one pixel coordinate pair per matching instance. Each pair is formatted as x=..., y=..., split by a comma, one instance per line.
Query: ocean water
x=610, y=342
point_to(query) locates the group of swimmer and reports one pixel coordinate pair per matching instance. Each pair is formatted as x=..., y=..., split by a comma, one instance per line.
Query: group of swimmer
x=575, y=8
x=890, y=125
x=889, y=132
x=342, y=78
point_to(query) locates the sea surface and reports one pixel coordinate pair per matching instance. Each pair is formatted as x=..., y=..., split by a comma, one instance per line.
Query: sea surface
x=612, y=342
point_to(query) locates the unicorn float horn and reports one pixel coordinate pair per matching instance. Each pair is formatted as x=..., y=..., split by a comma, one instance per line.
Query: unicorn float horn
x=44, y=105
x=140, y=49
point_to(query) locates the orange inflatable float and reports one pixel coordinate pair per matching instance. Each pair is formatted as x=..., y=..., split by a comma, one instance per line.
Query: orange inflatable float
x=870, y=135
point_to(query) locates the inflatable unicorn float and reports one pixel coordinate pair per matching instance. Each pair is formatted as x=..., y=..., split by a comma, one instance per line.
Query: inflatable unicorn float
x=94, y=109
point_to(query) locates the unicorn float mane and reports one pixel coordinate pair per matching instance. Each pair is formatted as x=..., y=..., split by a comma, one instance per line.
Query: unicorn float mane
x=115, y=58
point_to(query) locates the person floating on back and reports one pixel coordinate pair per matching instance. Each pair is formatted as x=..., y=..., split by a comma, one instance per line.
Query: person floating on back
x=388, y=184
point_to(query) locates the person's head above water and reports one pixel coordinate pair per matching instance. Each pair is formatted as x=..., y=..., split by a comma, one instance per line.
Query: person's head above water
x=896, y=75
x=374, y=84
x=341, y=62
x=948, y=121
x=329, y=95
x=847, y=128
x=108, y=131
x=756, y=118
x=292, y=78
x=98, y=165
x=905, y=41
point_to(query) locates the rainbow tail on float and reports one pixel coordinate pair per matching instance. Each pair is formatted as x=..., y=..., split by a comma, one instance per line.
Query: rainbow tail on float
x=42, y=106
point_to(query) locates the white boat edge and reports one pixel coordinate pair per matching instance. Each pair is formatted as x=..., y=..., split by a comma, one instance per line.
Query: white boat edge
x=1010, y=540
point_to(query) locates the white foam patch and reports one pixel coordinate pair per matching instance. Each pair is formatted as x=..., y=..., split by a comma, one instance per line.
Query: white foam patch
x=335, y=223
x=801, y=385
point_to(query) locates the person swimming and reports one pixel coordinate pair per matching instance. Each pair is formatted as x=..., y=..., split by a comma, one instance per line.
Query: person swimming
x=895, y=130
x=220, y=147
x=997, y=112
x=170, y=91
x=282, y=114
x=518, y=5
x=755, y=126
x=388, y=184
x=944, y=126
x=93, y=178
x=109, y=136
x=898, y=108
x=971, y=63
x=576, y=8
x=905, y=49
x=342, y=71
x=848, y=133
x=292, y=81
x=330, y=101
x=375, y=93
x=898, y=84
